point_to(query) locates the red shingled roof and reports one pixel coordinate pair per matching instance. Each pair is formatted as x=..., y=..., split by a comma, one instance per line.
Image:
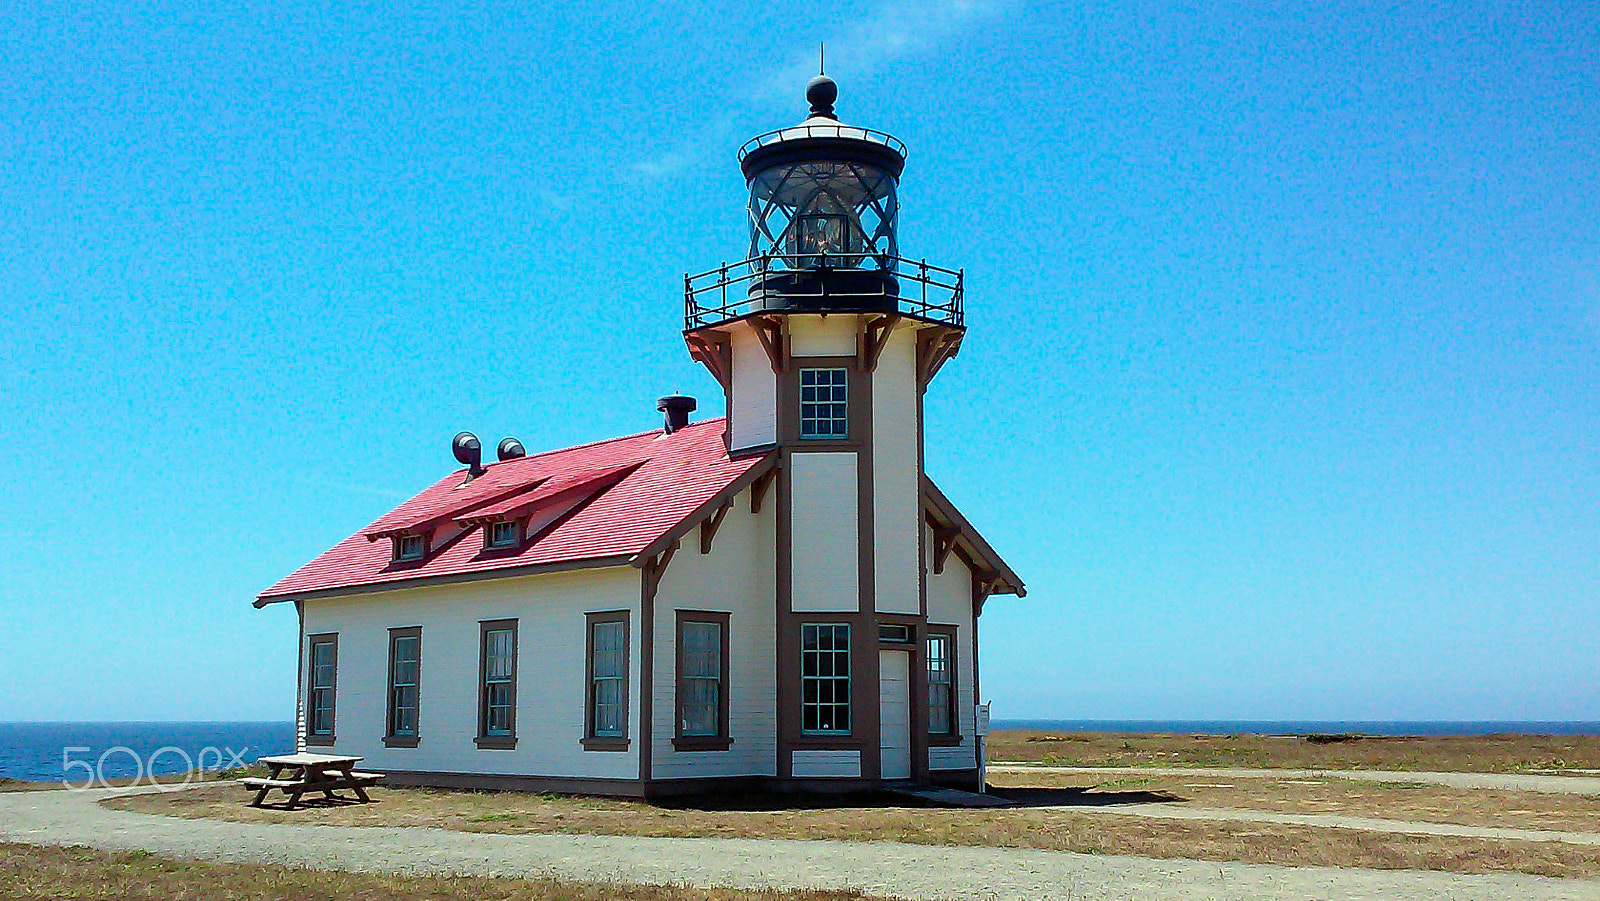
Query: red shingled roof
x=642, y=488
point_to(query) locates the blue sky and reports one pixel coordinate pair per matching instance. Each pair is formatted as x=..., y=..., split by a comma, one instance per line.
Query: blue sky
x=1279, y=388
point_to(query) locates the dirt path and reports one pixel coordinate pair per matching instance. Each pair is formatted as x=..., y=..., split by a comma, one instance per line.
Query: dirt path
x=1334, y=821
x=907, y=871
x=1574, y=785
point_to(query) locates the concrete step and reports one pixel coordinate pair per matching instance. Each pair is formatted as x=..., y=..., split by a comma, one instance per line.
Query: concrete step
x=939, y=796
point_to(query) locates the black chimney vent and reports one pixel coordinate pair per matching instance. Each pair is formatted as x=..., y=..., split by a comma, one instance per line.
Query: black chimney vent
x=677, y=407
x=510, y=449
x=469, y=452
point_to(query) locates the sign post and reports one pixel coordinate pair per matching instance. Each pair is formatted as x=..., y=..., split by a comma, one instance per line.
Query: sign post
x=981, y=733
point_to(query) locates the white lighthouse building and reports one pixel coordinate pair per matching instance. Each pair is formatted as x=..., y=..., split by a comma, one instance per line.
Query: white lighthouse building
x=777, y=597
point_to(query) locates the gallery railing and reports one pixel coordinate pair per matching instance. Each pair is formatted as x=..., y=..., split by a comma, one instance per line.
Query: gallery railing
x=843, y=281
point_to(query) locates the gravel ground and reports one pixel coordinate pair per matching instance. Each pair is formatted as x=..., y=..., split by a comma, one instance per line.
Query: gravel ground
x=1570, y=785
x=907, y=871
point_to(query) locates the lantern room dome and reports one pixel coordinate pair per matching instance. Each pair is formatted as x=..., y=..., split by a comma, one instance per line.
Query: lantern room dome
x=822, y=136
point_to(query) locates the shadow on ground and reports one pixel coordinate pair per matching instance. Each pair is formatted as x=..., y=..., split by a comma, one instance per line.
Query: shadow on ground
x=1081, y=797
x=1019, y=797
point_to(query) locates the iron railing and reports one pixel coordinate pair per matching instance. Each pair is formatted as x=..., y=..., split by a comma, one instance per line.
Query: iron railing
x=797, y=132
x=750, y=286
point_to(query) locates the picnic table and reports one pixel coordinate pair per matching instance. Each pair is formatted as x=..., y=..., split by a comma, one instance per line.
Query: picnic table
x=298, y=774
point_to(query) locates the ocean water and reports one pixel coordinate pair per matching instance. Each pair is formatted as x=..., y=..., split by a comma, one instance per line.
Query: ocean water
x=1312, y=727
x=84, y=752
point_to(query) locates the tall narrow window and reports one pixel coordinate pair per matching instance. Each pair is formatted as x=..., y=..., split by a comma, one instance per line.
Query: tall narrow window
x=405, y=682
x=702, y=682
x=324, y=666
x=823, y=404
x=497, y=698
x=607, y=714
x=825, y=679
x=941, y=684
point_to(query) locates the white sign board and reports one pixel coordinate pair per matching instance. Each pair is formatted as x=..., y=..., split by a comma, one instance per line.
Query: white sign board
x=982, y=727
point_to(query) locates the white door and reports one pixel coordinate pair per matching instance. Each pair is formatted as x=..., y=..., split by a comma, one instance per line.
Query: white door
x=894, y=714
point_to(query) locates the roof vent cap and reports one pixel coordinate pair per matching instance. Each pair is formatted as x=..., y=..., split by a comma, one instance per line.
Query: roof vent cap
x=469, y=453
x=510, y=449
x=677, y=407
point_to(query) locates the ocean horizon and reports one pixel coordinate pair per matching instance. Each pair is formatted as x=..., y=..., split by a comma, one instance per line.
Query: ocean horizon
x=1432, y=728
x=79, y=751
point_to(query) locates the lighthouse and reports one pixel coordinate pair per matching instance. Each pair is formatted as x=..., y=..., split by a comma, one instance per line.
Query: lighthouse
x=778, y=597
x=825, y=339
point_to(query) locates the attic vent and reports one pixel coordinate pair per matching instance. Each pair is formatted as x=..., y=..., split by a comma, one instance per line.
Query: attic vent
x=510, y=449
x=677, y=407
x=469, y=452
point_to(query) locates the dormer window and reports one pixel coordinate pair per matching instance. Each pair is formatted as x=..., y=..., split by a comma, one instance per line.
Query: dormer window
x=503, y=534
x=409, y=547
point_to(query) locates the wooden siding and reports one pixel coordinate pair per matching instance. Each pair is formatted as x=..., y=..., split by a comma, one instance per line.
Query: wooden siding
x=827, y=764
x=822, y=336
x=754, y=411
x=950, y=604
x=550, y=672
x=825, y=532
x=739, y=578
x=896, y=480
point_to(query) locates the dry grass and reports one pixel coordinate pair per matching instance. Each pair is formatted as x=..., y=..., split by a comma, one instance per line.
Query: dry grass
x=18, y=785
x=861, y=819
x=255, y=769
x=1385, y=800
x=1466, y=754
x=49, y=874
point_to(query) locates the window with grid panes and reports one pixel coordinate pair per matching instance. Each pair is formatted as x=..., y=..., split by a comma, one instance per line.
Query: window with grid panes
x=608, y=675
x=825, y=678
x=823, y=403
x=940, y=696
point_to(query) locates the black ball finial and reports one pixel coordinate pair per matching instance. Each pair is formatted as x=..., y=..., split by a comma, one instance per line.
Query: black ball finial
x=820, y=93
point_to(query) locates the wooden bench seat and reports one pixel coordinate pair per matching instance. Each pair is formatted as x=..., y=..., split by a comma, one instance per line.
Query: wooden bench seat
x=263, y=782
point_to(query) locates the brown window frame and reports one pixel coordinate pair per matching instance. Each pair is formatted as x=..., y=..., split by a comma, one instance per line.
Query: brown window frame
x=399, y=540
x=485, y=740
x=800, y=409
x=390, y=738
x=590, y=741
x=315, y=739
x=516, y=535
x=952, y=737
x=723, y=739
x=849, y=678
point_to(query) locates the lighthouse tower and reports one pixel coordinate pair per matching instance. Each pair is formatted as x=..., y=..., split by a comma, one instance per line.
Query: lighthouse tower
x=824, y=340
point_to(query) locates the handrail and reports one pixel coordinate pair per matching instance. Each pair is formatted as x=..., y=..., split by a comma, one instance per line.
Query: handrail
x=707, y=301
x=795, y=132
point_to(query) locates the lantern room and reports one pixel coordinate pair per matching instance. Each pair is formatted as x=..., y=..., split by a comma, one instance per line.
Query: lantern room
x=822, y=212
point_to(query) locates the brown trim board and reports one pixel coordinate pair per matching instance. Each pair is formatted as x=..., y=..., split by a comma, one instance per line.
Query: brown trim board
x=322, y=741
x=723, y=739
x=591, y=741
x=484, y=740
x=390, y=739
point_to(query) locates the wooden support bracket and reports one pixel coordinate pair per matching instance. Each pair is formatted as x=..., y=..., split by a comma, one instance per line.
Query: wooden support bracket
x=654, y=569
x=872, y=336
x=759, y=489
x=773, y=332
x=935, y=346
x=714, y=351
x=944, y=541
x=708, y=529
